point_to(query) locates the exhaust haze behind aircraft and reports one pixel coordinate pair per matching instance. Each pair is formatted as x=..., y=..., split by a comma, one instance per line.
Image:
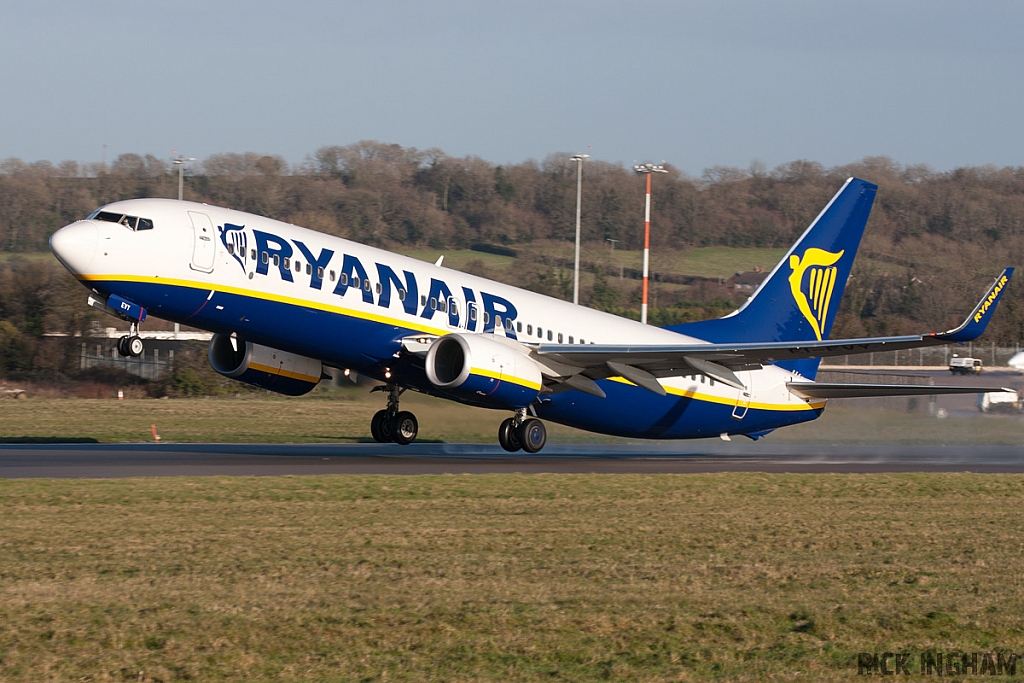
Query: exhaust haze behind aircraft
x=283, y=302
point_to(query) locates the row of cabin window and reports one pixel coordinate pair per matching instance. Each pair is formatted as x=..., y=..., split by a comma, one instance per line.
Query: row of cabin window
x=693, y=378
x=435, y=305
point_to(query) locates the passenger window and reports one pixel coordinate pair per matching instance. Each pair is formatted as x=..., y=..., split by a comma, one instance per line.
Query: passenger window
x=540, y=333
x=277, y=260
x=702, y=379
x=320, y=272
x=519, y=327
x=298, y=266
x=529, y=329
x=570, y=340
x=286, y=262
x=487, y=318
x=423, y=299
x=378, y=288
x=549, y=335
x=355, y=281
x=145, y=224
x=433, y=304
x=401, y=294
x=309, y=270
x=231, y=249
x=497, y=321
x=366, y=285
x=266, y=258
x=508, y=324
x=472, y=313
x=343, y=278
x=559, y=337
x=711, y=381
x=253, y=255
x=442, y=306
x=583, y=341
x=332, y=276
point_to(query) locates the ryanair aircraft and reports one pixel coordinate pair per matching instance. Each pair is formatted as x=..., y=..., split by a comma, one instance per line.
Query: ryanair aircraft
x=283, y=302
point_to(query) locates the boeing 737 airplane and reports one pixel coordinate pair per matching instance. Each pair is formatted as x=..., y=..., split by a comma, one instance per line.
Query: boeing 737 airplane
x=283, y=302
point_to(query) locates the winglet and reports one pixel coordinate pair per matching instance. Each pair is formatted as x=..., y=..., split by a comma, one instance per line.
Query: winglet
x=978, y=320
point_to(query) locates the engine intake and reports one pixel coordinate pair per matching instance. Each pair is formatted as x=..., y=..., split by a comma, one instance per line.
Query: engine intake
x=262, y=366
x=483, y=370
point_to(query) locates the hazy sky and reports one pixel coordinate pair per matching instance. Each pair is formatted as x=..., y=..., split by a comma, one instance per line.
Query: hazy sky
x=697, y=84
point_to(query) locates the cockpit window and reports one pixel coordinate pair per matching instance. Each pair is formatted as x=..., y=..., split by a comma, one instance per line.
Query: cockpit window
x=130, y=222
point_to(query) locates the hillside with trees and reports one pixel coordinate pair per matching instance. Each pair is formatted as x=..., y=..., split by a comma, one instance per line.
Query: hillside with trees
x=934, y=241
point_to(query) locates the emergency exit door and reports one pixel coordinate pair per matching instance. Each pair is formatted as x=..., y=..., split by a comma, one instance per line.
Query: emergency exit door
x=205, y=247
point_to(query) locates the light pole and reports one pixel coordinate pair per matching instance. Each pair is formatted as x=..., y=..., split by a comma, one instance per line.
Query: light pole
x=647, y=169
x=180, y=162
x=578, y=158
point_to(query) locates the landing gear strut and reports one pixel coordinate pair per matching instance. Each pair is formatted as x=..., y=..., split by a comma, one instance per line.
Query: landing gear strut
x=522, y=432
x=131, y=344
x=392, y=425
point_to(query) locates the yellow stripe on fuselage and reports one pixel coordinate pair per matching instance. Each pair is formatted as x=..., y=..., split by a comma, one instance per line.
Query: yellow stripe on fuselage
x=491, y=374
x=724, y=400
x=280, y=372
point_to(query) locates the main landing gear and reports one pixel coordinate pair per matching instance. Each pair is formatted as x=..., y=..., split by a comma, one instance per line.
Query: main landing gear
x=131, y=345
x=521, y=432
x=392, y=425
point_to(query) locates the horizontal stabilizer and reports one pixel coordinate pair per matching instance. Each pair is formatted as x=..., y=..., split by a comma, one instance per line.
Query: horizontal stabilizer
x=840, y=390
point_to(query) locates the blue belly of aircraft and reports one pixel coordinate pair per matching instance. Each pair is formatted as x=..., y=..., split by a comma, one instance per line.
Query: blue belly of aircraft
x=369, y=347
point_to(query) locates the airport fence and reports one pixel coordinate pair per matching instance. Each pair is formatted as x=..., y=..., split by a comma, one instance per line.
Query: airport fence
x=991, y=356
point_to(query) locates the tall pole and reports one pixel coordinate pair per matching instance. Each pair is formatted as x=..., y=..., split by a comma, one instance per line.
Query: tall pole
x=647, y=169
x=180, y=163
x=579, y=195
x=647, y=249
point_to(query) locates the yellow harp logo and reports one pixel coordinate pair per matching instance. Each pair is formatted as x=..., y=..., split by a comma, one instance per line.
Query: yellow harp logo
x=813, y=293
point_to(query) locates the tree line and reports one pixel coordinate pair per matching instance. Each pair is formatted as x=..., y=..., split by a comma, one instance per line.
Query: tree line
x=933, y=241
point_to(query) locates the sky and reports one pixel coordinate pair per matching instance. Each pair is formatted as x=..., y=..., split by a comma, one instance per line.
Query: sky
x=696, y=84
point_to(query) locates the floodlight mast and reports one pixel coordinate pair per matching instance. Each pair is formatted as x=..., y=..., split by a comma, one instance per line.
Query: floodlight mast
x=647, y=169
x=180, y=162
x=578, y=158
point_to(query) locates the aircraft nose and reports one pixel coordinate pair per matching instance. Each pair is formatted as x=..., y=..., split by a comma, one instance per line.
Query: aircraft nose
x=75, y=245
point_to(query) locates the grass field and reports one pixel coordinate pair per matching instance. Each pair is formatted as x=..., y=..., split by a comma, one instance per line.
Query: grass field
x=344, y=416
x=503, y=578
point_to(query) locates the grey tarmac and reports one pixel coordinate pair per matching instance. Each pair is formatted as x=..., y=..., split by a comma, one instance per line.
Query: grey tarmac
x=174, y=459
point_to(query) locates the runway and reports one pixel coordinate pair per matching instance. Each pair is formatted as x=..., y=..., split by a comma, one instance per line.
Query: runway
x=161, y=460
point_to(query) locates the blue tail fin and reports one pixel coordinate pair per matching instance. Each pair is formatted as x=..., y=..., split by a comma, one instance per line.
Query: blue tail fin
x=799, y=298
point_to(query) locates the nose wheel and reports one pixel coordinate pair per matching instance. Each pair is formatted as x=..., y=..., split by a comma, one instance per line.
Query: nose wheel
x=520, y=432
x=130, y=345
x=392, y=425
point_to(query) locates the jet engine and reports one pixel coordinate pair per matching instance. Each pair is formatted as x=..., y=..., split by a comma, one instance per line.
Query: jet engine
x=262, y=366
x=484, y=370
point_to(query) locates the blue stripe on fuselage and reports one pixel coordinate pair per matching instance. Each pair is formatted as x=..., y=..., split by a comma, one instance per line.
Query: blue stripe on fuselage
x=368, y=346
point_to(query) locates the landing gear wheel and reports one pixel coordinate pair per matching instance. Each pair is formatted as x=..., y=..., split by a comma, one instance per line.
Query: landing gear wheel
x=135, y=346
x=532, y=435
x=122, y=347
x=376, y=424
x=508, y=436
x=404, y=428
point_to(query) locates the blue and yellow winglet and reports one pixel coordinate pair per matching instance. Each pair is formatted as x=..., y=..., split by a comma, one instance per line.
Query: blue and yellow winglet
x=978, y=320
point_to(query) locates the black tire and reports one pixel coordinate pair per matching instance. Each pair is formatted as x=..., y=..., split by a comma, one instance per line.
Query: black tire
x=122, y=346
x=135, y=346
x=508, y=436
x=376, y=426
x=404, y=428
x=532, y=435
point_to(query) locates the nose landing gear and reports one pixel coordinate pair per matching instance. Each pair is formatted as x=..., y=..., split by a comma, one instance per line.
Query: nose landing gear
x=392, y=425
x=131, y=344
x=521, y=432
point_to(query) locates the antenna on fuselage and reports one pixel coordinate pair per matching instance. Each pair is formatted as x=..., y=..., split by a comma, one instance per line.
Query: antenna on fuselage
x=439, y=259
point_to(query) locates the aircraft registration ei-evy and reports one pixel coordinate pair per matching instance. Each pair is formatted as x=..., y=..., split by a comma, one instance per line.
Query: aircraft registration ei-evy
x=283, y=302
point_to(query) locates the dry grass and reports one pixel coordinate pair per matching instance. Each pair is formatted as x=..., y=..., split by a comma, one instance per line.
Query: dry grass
x=344, y=416
x=504, y=578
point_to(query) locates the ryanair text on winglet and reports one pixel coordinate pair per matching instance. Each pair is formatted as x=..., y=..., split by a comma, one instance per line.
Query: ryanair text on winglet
x=992, y=296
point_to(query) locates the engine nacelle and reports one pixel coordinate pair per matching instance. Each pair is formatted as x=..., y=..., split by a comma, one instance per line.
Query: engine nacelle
x=263, y=366
x=484, y=370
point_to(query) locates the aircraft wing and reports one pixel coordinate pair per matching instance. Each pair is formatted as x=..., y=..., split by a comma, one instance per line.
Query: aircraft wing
x=643, y=364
